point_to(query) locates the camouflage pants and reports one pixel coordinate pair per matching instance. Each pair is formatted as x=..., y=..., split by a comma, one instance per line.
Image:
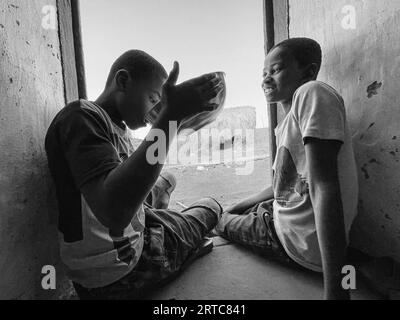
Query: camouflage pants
x=171, y=240
x=255, y=229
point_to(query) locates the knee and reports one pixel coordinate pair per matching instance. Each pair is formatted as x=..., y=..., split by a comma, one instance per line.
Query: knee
x=213, y=205
x=170, y=178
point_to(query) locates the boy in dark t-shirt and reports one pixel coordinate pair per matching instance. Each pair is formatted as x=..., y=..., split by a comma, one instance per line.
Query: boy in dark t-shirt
x=113, y=245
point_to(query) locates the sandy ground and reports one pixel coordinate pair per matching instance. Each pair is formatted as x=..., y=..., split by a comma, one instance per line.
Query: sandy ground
x=218, y=181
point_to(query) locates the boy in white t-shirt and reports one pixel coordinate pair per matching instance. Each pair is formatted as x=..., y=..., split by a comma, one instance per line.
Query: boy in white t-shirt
x=305, y=218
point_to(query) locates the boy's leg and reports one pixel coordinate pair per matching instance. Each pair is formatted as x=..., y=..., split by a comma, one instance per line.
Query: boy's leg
x=171, y=239
x=182, y=232
x=160, y=195
x=255, y=230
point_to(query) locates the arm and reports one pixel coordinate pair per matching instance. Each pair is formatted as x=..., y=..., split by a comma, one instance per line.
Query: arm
x=327, y=204
x=118, y=195
x=264, y=195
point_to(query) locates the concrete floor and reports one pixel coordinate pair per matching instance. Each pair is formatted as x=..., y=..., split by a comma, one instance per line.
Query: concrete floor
x=232, y=272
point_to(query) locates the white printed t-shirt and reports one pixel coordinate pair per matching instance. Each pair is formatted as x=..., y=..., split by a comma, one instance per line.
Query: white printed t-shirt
x=317, y=111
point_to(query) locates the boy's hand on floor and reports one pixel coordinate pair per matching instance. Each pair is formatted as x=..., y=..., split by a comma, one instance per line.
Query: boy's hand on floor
x=235, y=209
x=190, y=97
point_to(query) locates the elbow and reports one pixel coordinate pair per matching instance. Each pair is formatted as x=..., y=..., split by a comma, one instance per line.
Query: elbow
x=119, y=213
x=115, y=217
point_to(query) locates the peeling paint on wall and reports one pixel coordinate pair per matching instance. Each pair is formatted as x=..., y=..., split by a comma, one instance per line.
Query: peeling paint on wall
x=373, y=88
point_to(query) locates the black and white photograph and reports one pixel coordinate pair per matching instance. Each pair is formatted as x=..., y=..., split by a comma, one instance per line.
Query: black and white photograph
x=200, y=157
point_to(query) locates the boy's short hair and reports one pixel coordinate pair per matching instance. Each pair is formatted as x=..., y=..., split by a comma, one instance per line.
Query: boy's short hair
x=139, y=64
x=306, y=51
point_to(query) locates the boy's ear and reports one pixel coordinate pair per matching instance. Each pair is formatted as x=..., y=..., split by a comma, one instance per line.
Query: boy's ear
x=121, y=79
x=311, y=71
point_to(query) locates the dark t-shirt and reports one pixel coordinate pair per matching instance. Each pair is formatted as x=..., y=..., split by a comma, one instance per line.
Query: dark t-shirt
x=83, y=143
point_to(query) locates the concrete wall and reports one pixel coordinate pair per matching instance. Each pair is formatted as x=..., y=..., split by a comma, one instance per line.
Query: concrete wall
x=31, y=93
x=364, y=65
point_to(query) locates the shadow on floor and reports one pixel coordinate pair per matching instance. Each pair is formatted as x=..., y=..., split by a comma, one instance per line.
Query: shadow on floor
x=231, y=272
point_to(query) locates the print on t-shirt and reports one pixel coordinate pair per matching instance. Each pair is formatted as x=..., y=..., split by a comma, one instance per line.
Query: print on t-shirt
x=290, y=187
x=125, y=250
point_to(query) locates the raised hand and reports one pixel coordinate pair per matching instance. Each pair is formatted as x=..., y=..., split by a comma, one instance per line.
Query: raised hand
x=190, y=97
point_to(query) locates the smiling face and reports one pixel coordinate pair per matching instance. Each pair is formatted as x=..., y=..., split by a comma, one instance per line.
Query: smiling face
x=138, y=98
x=282, y=76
